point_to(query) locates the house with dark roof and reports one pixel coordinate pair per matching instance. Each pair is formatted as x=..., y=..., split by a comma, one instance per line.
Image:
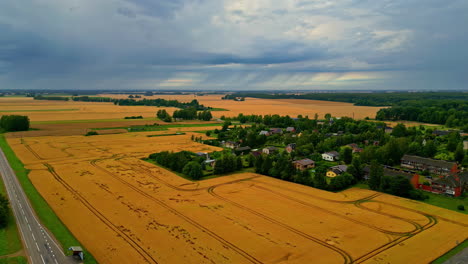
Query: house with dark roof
x=440, y=132
x=242, y=150
x=276, y=131
x=336, y=170
x=355, y=148
x=269, y=150
x=303, y=164
x=290, y=147
x=231, y=144
x=331, y=156
x=412, y=176
x=440, y=167
x=454, y=184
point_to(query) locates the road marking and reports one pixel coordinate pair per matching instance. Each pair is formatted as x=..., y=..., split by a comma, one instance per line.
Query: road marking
x=20, y=204
x=29, y=227
x=42, y=259
x=22, y=211
x=26, y=220
x=33, y=236
x=37, y=247
x=56, y=261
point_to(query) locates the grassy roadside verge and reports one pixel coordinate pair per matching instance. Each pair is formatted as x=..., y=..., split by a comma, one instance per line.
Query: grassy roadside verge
x=451, y=253
x=10, y=241
x=43, y=210
x=14, y=260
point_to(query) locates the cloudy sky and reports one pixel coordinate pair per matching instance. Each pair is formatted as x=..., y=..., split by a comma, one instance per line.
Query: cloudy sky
x=234, y=44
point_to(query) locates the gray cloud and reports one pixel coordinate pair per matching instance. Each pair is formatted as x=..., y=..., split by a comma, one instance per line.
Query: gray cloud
x=232, y=44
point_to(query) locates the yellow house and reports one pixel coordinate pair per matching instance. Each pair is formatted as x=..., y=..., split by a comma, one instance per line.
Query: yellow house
x=336, y=170
x=332, y=174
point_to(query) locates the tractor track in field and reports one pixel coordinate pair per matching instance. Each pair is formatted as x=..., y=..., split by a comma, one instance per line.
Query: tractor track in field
x=347, y=258
x=339, y=215
x=139, y=249
x=31, y=150
x=432, y=220
x=184, y=217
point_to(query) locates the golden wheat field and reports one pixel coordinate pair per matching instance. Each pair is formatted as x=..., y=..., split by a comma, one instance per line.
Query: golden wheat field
x=291, y=107
x=47, y=110
x=143, y=213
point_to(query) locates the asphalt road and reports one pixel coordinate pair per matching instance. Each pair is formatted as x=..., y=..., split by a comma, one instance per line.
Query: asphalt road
x=40, y=247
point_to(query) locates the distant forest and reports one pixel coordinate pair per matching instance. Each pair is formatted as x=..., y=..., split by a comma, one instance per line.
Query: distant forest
x=363, y=99
x=146, y=102
x=446, y=108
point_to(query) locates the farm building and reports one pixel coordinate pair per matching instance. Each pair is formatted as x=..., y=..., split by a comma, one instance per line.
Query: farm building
x=465, y=145
x=290, y=147
x=336, y=170
x=331, y=156
x=303, y=164
x=439, y=167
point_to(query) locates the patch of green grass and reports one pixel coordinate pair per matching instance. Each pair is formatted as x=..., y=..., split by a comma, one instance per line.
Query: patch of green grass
x=88, y=121
x=39, y=110
x=218, y=109
x=165, y=135
x=144, y=128
x=361, y=185
x=450, y=203
x=46, y=215
x=451, y=253
x=9, y=237
x=14, y=260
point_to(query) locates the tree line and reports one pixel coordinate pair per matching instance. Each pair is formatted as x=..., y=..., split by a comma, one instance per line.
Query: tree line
x=53, y=98
x=362, y=99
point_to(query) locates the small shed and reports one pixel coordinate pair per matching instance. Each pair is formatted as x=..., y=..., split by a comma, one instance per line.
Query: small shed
x=77, y=251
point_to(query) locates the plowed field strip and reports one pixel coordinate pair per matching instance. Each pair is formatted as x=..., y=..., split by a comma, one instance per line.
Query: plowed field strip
x=142, y=252
x=347, y=258
x=186, y=218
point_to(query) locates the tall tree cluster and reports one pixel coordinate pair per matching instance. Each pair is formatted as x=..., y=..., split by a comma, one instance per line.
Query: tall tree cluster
x=14, y=123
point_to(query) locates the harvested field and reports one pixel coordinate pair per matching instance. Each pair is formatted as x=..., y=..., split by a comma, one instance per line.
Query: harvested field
x=291, y=107
x=142, y=213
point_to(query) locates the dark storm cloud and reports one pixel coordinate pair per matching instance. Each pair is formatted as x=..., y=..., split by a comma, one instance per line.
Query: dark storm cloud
x=145, y=44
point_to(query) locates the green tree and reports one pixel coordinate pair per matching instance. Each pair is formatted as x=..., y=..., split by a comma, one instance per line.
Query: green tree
x=193, y=170
x=375, y=176
x=356, y=169
x=347, y=155
x=430, y=149
x=320, y=181
x=4, y=211
x=399, y=130
x=459, y=154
